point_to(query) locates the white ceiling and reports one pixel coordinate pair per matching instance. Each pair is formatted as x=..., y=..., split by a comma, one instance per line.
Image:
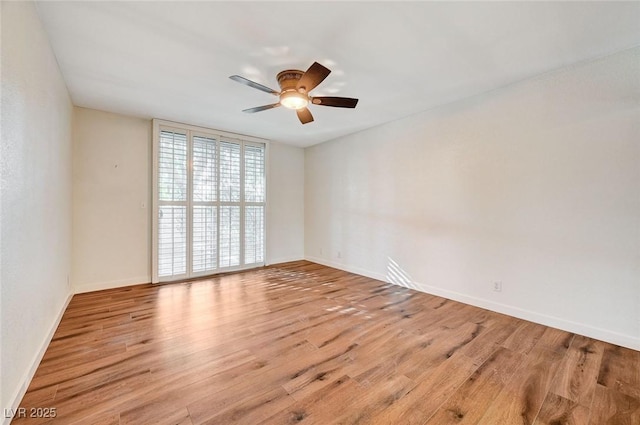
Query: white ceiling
x=172, y=60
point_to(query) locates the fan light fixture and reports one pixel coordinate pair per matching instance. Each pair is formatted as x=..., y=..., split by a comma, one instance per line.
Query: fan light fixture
x=295, y=86
x=294, y=100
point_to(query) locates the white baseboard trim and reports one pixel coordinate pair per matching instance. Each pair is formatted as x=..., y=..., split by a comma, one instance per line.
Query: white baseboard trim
x=532, y=316
x=14, y=401
x=283, y=260
x=98, y=286
x=347, y=268
x=543, y=319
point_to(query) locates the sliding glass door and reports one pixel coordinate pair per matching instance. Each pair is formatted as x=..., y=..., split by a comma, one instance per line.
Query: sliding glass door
x=209, y=203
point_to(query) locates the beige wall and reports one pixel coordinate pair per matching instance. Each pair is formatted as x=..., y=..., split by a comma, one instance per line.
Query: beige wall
x=112, y=182
x=535, y=185
x=285, y=214
x=36, y=198
x=111, y=200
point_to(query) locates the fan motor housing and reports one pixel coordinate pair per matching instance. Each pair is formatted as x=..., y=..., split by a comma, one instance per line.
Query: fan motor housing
x=289, y=78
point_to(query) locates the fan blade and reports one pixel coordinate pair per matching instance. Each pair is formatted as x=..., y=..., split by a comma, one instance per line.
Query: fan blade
x=336, y=102
x=255, y=85
x=304, y=115
x=314, y=76
x=260, y=108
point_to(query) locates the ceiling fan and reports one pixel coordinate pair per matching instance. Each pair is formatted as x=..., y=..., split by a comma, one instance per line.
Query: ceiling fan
x=295, y=86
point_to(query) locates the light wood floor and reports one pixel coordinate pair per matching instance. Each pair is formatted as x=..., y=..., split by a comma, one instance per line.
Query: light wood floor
x=304, y=343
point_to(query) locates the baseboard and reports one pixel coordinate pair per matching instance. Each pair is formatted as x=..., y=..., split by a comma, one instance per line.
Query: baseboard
x=543, y=319
x=273, y=261
x=98, y=286
x=347, y=268
x=532, y=316
x=35, y=362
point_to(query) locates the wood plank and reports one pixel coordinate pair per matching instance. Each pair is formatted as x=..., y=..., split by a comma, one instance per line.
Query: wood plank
x=620, y=370
x=611, y=407
x=331, y=400
x=524, y=338
x=577, y=376
x=432, y=390
x=373, y=400
x=557, y=410
x=555, y=341
x=475, y=395
x=151, y=415
x=521, y=399
x=253, y=409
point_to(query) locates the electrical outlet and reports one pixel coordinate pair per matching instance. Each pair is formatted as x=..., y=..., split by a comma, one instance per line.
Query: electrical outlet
x=339, y=254
x=321, y=251
x=497, y=286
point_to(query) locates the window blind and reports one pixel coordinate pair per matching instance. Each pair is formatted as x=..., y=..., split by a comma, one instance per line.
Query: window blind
x=172, y=167
x=229, y=172
x=254, y=234
x=229, y=235
x=172, y=214
x=205, y=170
x=204, y=242
x=254, y=175
x=254, y=196
x=210, y=200
x=172, y=240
